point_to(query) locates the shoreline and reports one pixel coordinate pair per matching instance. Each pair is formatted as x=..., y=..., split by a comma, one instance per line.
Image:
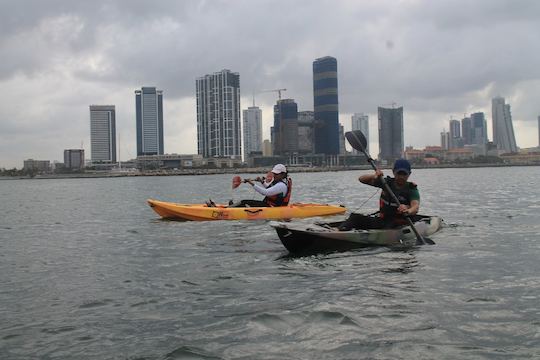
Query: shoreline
x=258, y=170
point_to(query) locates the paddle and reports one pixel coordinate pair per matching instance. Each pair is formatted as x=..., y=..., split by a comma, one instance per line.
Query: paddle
x=358, y=142
x=237, y=180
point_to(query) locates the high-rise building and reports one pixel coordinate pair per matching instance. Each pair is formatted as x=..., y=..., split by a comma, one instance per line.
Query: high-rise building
x=325, y=102
x=285, y=136
x=74, y=159
x=478, y=129
x=390, y=133
x=149, y=114
x=103, y=134
x=305, y=132
x=218, y=115
x=445, y=140
x=455, y=135
x=342, y=149
x=503, y=130
x=252, y=118
x=361, y=122
x=267, y=148
x=466, y=130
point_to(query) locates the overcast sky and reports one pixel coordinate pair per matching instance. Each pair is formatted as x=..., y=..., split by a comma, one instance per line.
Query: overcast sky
x=437, y=59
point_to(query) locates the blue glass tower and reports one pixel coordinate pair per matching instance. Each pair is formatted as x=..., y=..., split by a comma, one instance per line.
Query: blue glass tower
x=149, y=117
x=325, y=102
x=390, y=133
x=285, y=133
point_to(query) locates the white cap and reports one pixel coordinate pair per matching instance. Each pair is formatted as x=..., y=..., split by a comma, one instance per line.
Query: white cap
x=279, y=168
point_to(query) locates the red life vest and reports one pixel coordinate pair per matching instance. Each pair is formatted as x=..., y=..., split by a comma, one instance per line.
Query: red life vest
x=279, y=199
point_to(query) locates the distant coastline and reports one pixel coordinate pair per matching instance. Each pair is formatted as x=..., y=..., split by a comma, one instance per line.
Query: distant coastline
x=258, y=170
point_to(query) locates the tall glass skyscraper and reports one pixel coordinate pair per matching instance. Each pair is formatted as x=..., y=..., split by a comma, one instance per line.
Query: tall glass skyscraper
x=361, y=122
x=218, y=115
x=390, y=133
x=252, y=118
x=478, y=129
x=325, y=102
x=466, y=130
x=455, y=134
x=103, y=134
x=149, y=114
x=503, y=130
x=285, y=136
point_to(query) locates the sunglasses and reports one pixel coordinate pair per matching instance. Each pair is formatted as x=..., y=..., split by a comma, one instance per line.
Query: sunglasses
x=402, y=173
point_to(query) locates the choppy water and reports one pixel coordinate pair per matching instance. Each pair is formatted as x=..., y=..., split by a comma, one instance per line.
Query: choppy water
x=87, y=271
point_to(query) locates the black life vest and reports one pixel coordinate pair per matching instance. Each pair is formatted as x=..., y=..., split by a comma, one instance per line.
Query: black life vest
x=387, y=206
x=279, y=199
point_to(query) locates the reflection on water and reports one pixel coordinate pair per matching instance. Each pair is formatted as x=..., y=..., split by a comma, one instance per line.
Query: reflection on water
x=88, y=271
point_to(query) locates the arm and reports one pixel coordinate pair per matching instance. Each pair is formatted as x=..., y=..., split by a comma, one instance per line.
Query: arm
x=415, y=204
x=371, y=179
x=273, y=190
x=409, y=210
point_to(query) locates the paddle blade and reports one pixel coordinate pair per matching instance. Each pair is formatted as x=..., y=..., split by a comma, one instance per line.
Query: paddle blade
x=357, y=140
x=236, y=181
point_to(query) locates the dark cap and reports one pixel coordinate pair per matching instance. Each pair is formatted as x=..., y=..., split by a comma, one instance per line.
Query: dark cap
x=402, y=165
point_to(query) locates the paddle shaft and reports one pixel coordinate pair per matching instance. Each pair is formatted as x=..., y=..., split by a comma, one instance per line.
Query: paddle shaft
x=389, y=191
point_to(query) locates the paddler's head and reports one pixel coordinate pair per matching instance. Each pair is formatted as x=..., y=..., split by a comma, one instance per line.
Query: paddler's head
x=279, y=171
x=402, y=170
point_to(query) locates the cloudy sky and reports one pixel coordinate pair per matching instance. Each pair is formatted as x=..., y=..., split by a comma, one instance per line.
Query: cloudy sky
x=438, y=59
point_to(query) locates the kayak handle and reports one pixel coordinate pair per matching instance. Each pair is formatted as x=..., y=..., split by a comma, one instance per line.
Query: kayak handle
x=253, y=211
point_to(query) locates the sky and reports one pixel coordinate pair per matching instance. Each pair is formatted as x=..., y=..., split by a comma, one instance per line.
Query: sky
x=438, y=59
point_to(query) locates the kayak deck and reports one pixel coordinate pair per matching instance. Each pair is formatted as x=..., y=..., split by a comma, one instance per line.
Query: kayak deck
x=201, y=212
x=325, y=237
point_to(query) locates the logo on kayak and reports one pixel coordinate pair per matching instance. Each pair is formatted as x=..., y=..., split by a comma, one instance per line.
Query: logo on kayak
x=220, y=215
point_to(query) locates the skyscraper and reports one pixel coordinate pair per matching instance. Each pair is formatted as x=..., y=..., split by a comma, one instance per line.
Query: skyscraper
x=285, y=139
x=503, y=130
x=325, y=101
x=305, y=132
x=103, y=133
x=466, y=130
x=361, y=122
x=390, y=133
x=149, y=116
x=455, y=134
x=252, y=118
x=445, y=139
x=218, y=114
x=478, y=129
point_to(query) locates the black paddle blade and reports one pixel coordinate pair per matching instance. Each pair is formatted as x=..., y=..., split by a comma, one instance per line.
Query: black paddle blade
x=357, y=140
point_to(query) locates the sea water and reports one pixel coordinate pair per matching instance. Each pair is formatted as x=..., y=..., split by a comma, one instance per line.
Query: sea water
x=88, y=271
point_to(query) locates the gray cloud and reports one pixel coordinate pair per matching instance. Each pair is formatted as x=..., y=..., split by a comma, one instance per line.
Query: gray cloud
x=437, y=59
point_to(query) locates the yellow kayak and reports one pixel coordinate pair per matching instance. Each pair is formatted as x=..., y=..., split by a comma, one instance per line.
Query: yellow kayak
x=201, y=212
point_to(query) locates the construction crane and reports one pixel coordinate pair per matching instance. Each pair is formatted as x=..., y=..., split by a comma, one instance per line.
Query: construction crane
x=275, y=90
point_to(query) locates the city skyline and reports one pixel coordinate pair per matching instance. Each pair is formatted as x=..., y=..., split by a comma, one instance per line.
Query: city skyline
x=99, y=54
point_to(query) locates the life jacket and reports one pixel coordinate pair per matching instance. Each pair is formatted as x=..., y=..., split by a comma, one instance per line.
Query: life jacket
x=387, y=206
x=279, y=199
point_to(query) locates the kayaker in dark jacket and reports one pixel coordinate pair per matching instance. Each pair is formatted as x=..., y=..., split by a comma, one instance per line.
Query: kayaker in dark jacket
x=277, y=191
x=390, y=214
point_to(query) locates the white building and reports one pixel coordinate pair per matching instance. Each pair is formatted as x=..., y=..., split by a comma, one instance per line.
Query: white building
x=218, y=115
x=252, y=120
x=103, y=133
x=503, y=130
x=361, y=122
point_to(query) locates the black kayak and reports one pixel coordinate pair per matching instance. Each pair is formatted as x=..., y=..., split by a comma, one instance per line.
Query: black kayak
x=324, y=237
